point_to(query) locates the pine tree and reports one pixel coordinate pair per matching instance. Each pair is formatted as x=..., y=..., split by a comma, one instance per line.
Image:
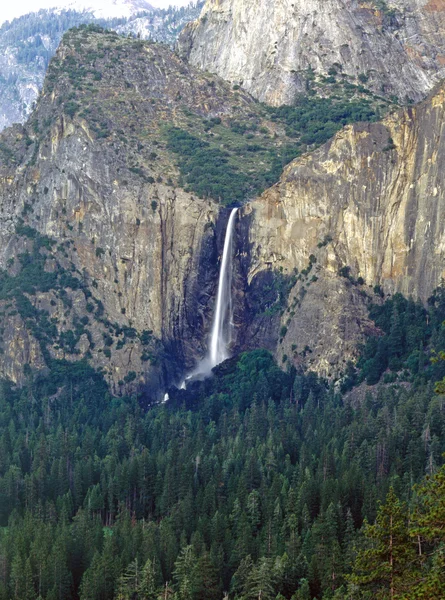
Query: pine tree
x=22, y=580
x=349, y=543
x=148, y=589
x=260, y=584
x=429, y=530
x=385, y=568
x=99, y=580
x=440, y=385
x=432, y=584
x=395, y=339
x=241, y=575
x=129, y=582
x=303, y=592
x=207, y=586
x=185, y=574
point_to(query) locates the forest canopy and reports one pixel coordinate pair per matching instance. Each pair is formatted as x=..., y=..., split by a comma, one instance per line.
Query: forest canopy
x=256, y=482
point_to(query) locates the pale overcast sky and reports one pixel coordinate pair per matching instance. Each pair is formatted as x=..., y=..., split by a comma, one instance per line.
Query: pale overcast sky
x=11, y=9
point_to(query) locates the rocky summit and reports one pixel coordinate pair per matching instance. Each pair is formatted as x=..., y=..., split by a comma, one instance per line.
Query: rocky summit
x=28, y=43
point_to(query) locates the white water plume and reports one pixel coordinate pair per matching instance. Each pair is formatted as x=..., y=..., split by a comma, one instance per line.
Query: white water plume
x=222, y=327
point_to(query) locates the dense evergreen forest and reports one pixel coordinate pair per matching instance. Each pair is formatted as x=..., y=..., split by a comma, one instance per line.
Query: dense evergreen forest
x=256, y=483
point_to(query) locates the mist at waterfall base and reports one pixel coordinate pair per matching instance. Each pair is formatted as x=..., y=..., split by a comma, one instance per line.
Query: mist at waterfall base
x=222, y=327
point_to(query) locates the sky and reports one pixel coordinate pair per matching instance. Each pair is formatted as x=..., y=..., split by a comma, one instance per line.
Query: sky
x=9, y=10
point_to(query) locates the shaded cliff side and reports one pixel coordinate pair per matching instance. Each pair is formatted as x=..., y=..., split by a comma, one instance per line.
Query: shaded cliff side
x=268, y=47
x=365, y=210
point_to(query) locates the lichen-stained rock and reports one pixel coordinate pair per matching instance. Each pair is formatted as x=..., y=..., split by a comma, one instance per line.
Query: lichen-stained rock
x=398, y=46
x=366, y=209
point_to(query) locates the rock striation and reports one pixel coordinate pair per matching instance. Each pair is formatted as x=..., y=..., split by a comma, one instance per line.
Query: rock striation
x=397, y=48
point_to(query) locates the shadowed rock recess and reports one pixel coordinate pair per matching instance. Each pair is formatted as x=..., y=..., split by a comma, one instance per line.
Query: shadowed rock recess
x=109, y=256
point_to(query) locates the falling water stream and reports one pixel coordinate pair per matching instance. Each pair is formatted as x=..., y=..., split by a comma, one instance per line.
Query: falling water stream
x=222, y=326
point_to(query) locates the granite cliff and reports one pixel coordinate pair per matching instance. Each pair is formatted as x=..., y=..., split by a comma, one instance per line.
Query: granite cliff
x=111, y=228
x=269, y=47
x=365, y=210
x=104, y=256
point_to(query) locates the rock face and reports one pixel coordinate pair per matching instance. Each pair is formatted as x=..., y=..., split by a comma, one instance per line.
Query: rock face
x=106, y=258
x=89, y=195
x=366, y=209
x=397, y=48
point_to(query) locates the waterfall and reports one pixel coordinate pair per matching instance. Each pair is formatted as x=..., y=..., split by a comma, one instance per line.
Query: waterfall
x=222, y=326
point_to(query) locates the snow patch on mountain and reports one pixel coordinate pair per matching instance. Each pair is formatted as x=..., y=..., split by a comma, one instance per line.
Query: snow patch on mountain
x=102, y=9
x=108, y=9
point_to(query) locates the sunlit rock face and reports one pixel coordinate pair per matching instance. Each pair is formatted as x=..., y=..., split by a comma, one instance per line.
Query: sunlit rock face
x=369, y=206
x=267, y=47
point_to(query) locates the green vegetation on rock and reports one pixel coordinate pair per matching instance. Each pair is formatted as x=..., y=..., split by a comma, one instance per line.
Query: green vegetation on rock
x=233, y=160
x=409, y=336
x=313, y=120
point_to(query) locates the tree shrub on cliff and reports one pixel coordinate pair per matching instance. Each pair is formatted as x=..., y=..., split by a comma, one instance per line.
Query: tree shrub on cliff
x=314, y=120
x=409, y=332
x=205, y=170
